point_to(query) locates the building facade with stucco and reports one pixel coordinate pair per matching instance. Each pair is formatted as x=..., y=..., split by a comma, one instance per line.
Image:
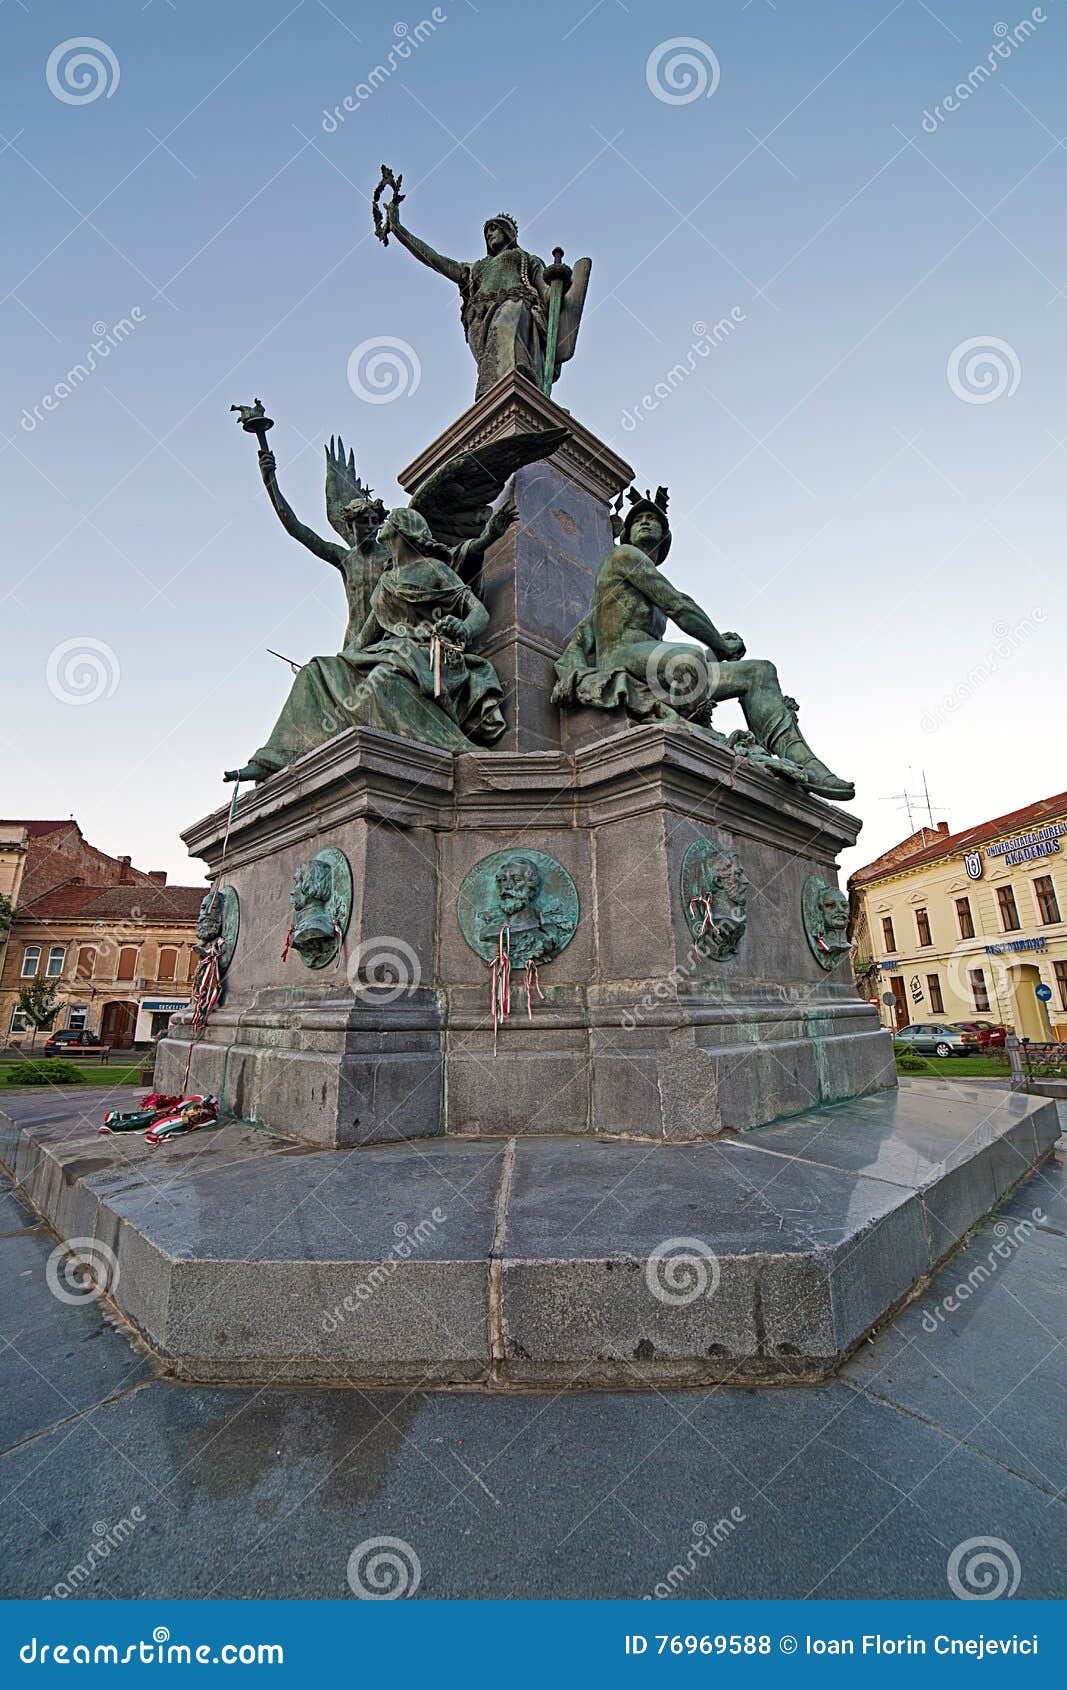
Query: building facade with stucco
x=112, y=942
x=969, y=926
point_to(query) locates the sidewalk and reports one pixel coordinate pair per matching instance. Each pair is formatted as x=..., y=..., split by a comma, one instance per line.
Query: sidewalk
x=948, y=1428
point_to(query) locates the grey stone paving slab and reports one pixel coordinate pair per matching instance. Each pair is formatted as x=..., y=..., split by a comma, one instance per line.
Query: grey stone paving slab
x=579, y=1496
x=827, y=1490
x=56, y=1358
x=960, y=1147
x=982, y=1352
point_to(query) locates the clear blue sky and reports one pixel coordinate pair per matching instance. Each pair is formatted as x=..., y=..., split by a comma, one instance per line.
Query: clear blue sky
x=886, y=540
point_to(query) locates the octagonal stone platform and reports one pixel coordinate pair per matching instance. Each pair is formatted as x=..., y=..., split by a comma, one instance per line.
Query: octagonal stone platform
x=237, y=1254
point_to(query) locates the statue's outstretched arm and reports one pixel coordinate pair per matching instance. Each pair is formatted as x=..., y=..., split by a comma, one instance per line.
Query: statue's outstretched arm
x=328, y=550
x=683, y=610
x=450, y=267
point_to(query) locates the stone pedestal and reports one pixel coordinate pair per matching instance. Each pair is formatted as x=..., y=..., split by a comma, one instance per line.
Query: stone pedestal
x=538, y=581
x=638, y=1034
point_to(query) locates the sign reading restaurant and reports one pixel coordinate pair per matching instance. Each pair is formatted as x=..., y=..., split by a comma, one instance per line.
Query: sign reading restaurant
x=1026, y=846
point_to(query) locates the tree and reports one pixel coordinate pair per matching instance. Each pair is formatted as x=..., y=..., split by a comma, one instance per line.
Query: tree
x=40, y=1006
x=7, y=914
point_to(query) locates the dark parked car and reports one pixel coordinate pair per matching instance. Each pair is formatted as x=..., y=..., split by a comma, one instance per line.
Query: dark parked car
x=950, y=1039
x=70, y=1042
x=991, y=1035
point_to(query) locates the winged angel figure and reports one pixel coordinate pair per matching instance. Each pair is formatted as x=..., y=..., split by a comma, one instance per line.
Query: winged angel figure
x=410, y=575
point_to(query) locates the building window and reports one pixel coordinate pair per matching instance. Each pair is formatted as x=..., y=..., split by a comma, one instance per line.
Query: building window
x=31, y=962
x=922, y=927
x=76, y=1019
x=979, y=992
x=127, y=963
x=19, y=1023
x=1009, y=915
x=86, y=962
x=57, y=956
x=168, y=964
x=965, y=918
x=191, y=965
x=1047, y=906
x=937, y=1002
x=887, y=933
x=1061, y=982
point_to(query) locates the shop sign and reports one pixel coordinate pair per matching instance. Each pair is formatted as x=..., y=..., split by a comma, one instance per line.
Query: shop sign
x=1039, y=944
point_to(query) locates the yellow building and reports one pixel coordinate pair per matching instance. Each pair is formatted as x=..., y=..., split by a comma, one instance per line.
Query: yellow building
x=969, y=926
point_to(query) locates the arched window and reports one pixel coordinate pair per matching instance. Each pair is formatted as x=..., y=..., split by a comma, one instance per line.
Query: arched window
x=31, y=961
x=168, y=963
x=57, y=956
x=127, y=963
x=86, y=962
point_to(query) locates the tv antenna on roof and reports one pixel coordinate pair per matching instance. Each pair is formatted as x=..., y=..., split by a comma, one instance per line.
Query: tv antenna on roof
x=913, y=802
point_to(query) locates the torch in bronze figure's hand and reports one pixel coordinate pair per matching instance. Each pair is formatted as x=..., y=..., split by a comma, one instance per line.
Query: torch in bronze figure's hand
x=381, y=224
x=254, y=420
x=558, y=275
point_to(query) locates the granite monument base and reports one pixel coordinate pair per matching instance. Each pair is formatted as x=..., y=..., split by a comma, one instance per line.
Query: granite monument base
x=631, y=1032
x=758, y=1258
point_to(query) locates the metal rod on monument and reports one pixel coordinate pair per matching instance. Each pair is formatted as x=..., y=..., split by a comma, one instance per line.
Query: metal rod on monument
x=293, y=664
x=558, y=275
x=254, y=420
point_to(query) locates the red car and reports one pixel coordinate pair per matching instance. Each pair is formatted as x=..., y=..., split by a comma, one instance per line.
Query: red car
x=991, y=1036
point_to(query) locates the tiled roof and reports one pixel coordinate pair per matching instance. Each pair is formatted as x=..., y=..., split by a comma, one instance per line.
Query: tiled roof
x=143, y=901
x=951, y=844
x=36, y=829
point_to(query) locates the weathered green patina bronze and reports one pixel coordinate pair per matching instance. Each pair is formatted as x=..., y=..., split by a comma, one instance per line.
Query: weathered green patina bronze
x=409, y=668
x=714, y=891
x=824, y=910
x=617, y=658
x=322, y=906
x=508, y=299
x=218, y=925
x=527, y=893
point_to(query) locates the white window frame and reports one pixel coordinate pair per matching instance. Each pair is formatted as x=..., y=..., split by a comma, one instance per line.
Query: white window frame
x=77, y=1009
x=27, y=952
x=59, y=951
x=19, y=1024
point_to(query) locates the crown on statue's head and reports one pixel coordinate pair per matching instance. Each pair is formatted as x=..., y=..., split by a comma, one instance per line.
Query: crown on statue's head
x=506, y=220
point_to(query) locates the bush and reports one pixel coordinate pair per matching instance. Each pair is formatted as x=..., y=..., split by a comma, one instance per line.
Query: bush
x=45, y=1073
x=909, y=1063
